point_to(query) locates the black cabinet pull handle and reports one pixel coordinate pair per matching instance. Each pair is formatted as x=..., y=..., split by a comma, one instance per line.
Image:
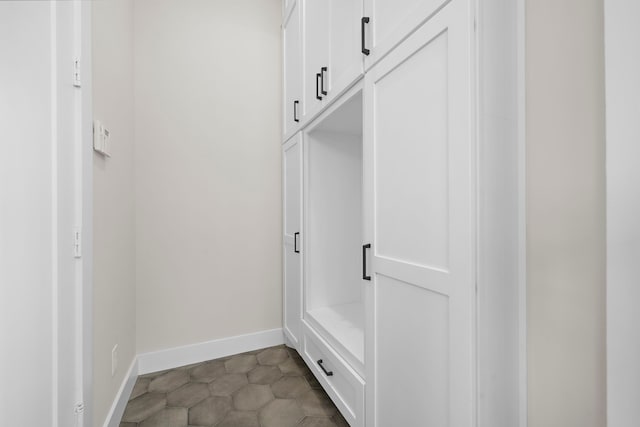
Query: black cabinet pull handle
x=322, y=71
x=364, y=261
x=318, y=77
x=295, y=110
x=295, y=242
x=365, y=20
x=327, y=373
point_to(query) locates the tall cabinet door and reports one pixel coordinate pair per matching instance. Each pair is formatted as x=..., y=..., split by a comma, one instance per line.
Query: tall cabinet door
x=292, y=54
x=419, y=217
x=292, y=242
x=390, y=21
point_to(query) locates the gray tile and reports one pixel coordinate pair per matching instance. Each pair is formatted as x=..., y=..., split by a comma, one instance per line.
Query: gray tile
x=264, y=375
x=208, y=372
x=290, y=387
x=273, y=356
x=140, y=388
x=168, y=417
x=317, y=422
x=169, y=381
x=188, y=395
x=210, y=411
x=316, y=403
x=312, y=380
x=281, y=413
x=241, y=364
x=252, y=397
x=128, y=425
x=339, y=420
x=227, y=384
x=290, y=367
x=143, y=407
x=240, y=419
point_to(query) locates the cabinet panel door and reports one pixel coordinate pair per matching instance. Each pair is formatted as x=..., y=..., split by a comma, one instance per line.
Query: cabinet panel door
x=346, y=61
x=292, y=241
x=392, y=20
x=292, y=54
x=420, y=214
x=316, y=31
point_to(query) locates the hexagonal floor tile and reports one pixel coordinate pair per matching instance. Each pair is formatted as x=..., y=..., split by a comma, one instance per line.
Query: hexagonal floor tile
x=317, y=422
x=241, y=364
x=210, y=411
x=252, y=397
x=143, y=407
x=228, y=384
x=208, y=372
x=290, y=387
x=168, y=417
x=281, y=413
x=290, y=367
x=240, y=419
x=273, y=356
x=315, y=403
x=264, y=375
x=188, y=395
x=140, y=388
x=169, y=381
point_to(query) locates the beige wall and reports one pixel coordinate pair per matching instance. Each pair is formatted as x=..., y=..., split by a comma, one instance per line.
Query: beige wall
x=565, y=213
x=113, y=193
x=208, y=230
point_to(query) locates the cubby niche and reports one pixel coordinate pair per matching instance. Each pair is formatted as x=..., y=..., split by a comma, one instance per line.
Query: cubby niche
x=334, y=229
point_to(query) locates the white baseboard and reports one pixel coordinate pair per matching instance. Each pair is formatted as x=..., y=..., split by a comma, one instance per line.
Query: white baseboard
x=194, y=353
x=120, y=403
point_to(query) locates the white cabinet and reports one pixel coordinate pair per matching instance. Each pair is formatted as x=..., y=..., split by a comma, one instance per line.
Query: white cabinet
x=292, y=70
x=390, y=21
x=420, y=209
x=292, y=242
x=332, y=54
x=410, y=284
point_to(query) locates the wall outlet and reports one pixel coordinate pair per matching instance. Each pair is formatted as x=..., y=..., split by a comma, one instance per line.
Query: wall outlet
x=114, y=360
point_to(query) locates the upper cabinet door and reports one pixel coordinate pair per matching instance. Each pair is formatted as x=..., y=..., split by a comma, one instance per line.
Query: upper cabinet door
x=316, y=32
x=332, y=52
x=346, y=61
x=292, y=54
x=390, y=21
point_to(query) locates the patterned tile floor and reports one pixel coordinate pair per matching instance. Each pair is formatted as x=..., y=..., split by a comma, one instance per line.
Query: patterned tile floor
x=266, y=388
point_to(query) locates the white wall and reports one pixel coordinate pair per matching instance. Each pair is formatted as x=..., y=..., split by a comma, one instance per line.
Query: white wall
x=113, y=207
x=26, y=215
x=565, y=213
x=208, y=230
x=622, y=38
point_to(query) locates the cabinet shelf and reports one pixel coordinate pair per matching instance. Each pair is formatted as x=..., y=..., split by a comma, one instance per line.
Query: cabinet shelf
x=343, y=326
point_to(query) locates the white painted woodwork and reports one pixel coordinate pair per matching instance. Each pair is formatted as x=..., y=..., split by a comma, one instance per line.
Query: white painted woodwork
x=332, y=40
x=345, y=386
x=420, y=205
x=292, y=70
x=622, y=64
x=292, y=268
x=391, y=21
x=315, y=52
x=333, y=212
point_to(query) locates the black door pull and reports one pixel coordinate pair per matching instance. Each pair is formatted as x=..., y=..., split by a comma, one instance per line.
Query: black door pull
x=365, y=20
x=327, y=373
x=364, y=261
x=295, y=242
x=295, y=110
x=318, y=77
x=322, y=71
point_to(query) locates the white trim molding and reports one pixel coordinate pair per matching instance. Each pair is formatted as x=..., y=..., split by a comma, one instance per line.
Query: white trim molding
x=120, y=403
x=194, y=353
